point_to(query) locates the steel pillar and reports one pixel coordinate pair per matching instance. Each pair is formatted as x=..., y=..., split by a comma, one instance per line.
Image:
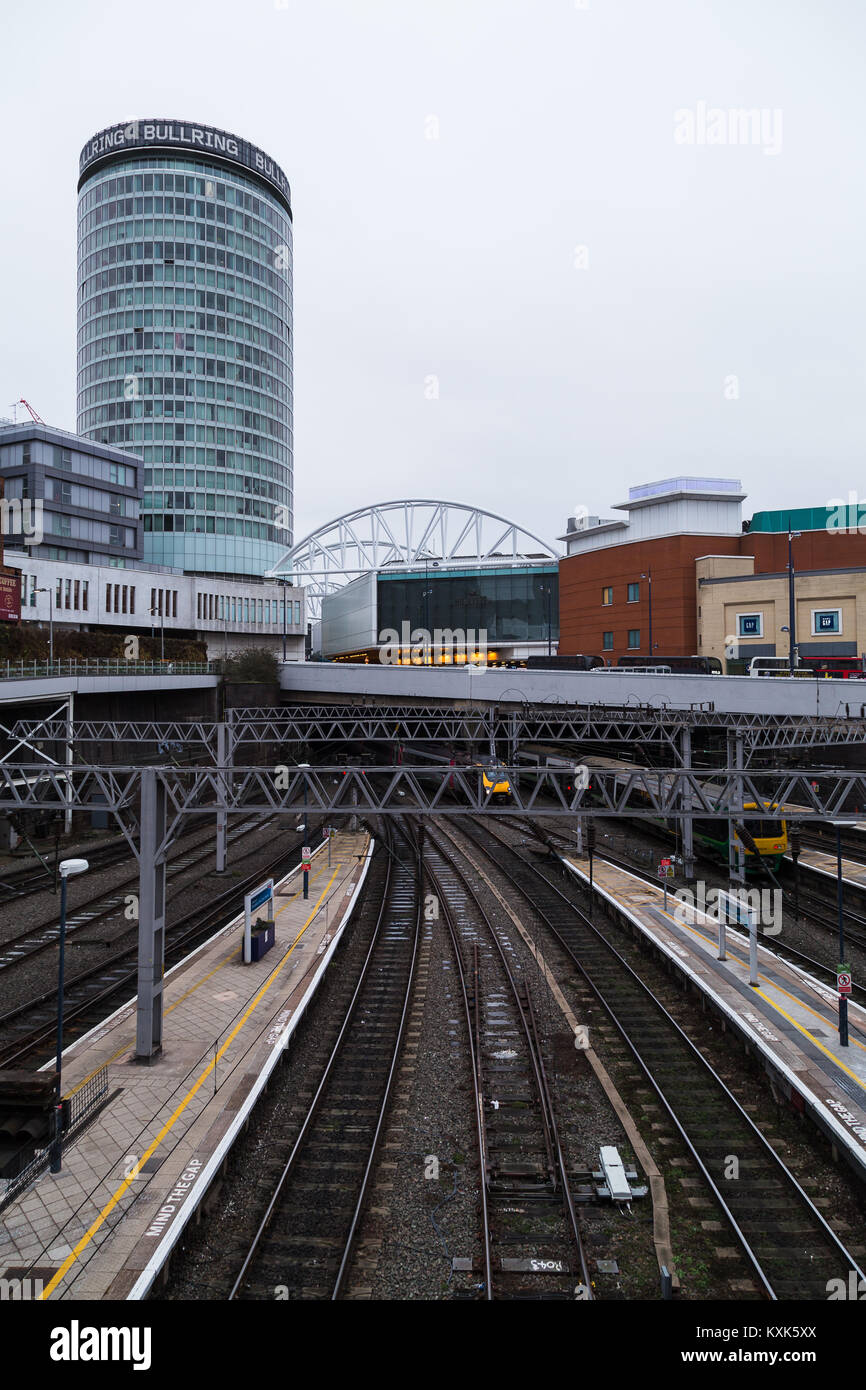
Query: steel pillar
x=67, y=817
x=688, y=824
x=223, y=740
x=151, y=916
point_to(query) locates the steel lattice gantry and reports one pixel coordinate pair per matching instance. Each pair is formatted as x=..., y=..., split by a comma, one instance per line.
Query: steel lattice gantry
x=150, y=803
x=444, y=723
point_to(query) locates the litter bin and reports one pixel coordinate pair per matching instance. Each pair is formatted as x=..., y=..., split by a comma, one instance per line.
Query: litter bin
x=261, y=938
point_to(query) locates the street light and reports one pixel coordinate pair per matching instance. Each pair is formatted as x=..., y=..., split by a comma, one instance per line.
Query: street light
x=548, y=590
x=843, y=998
x=792, y=629
x=649, y=578
x=50, y=592
x=305, y=767
x=67, y=869
x=153, y=613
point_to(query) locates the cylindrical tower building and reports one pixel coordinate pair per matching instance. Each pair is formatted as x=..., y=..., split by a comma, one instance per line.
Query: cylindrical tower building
x=185, y=336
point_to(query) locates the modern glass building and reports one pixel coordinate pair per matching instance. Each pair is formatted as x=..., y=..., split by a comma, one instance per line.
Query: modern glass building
x=512, y=610
x=185, y=337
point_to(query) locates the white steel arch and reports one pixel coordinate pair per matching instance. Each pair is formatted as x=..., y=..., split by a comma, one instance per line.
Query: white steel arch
x=404, y=533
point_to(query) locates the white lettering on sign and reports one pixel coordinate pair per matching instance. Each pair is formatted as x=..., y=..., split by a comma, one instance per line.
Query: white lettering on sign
x=845, y=1115
x=169, y=132
x=176, y=1198
x=279, y=1025
x=759, y=1026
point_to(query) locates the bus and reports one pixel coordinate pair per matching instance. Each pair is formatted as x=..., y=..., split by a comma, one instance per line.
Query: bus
x=563, y=663
x=842, y=668
x=675, y=665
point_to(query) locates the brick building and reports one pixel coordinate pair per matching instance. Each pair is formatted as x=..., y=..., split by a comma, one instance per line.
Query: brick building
x=623, y=577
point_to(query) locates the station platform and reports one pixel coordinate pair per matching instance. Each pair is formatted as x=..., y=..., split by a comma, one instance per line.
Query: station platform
x=853, y=870
x=103, y=1228
x=789, y=1020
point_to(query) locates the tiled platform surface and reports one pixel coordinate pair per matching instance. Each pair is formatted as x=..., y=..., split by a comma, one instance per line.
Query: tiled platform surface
x=790, y=1018
x=103, y=1227
x=853, y=870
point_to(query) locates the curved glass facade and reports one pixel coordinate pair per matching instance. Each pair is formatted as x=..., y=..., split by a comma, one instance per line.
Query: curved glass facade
x=185, y=351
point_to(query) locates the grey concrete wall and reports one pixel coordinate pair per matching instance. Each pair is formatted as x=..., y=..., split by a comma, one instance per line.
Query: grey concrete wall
x=726, y=694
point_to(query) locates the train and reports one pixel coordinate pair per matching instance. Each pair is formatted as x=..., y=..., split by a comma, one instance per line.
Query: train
x=494, y=773
x=770, y=833
x=494, y=778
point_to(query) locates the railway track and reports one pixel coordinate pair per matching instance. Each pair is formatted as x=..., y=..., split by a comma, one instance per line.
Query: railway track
x=303, y=1244
x=30, y=879
x=29, y=1029
x=780, y=948
x=791, y=1249
x=531, y=1241
x=106, y=904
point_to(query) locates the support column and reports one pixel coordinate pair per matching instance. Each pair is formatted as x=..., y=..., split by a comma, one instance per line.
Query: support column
x=151, y=916
x=512, y=742
x=741, y=849
x=729, y=762
x=70, y=710
x=688, y=823
x=222, y=757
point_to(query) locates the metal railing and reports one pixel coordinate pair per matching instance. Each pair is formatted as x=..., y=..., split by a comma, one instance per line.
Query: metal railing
x=75, y=1109
x=41, y=670
x=82, y=1100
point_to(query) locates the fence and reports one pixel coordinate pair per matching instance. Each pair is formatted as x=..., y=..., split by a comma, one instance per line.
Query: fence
x=36, y=670
x=75, y=1109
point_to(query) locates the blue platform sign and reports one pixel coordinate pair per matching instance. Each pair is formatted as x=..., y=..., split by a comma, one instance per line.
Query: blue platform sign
x=252, y=902
x=262, y=895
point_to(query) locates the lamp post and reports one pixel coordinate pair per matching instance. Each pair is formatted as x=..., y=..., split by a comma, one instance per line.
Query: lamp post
x=305, y=767
x=427, y=595
x=68, y=868
x=792, y=628
x=649, y=579
x=547, y=589
x=50, y=592
x=843, y=999
x=154, y=612
x=285, y=582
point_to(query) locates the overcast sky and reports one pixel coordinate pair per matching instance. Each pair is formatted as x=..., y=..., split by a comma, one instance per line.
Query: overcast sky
x=599, y=302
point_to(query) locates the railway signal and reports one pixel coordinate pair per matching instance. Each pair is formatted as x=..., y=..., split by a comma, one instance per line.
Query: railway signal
x=665, y=871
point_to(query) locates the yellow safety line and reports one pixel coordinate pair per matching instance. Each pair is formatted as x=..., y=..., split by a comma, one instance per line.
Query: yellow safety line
x=833, y=1058
x=807, y=1034
x=772, y=983
x=232, y=955
x=169, y=1124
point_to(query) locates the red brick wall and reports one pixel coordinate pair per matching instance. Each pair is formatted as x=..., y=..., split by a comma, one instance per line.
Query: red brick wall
x=584, y=619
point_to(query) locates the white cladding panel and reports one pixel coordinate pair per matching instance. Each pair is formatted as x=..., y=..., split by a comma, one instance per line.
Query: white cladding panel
x=673, y=516
x=349, y=617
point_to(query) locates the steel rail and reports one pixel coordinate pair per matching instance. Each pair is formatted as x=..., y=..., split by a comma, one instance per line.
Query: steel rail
x=551, y=1131
x=336, y=1053
x=698, y=1057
